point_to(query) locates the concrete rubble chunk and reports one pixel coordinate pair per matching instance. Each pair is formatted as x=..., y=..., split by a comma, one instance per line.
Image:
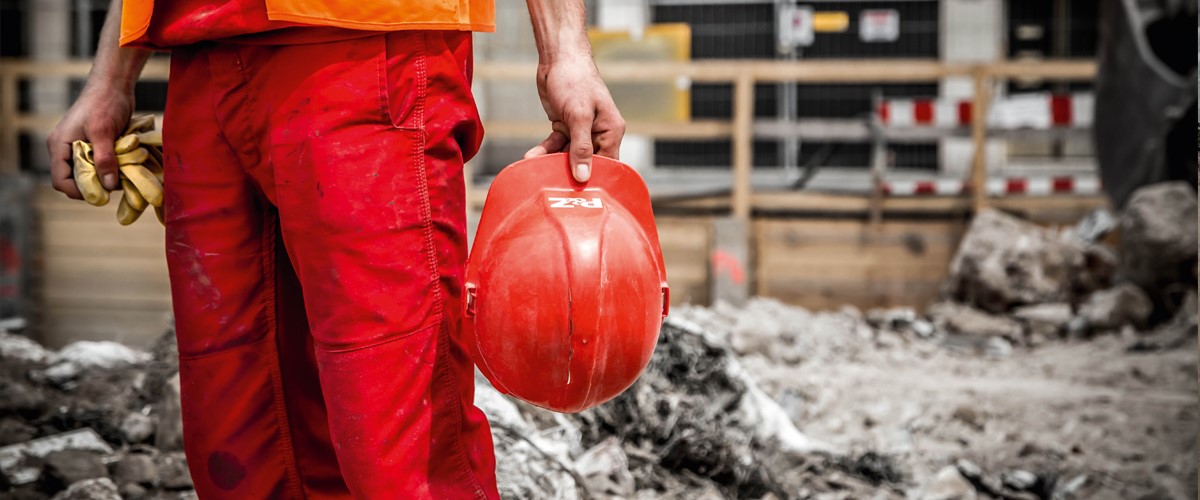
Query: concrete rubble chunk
x=966, y=320
x=67, y=467
x=22, y=348
x=1159, y=240
x=136, y=427
x=1020, y=480
x=948, y=484
x=1049, y=320
x=1095, y=225
x=136, y=468
x=605, y=467
x=91, y=489
x=168, y=435
x=1004, y=262
x=20, y=397
x=77, y=357
x=173, y=471
x=14, y=431
x=18, y=472
x=1124, y=304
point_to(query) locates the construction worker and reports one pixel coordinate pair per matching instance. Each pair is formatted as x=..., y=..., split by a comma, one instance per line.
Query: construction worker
x=316, y=228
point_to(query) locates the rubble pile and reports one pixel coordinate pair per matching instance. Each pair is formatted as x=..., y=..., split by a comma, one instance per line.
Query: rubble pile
x=694, y=425
x=90, y=421
x=991, y=393
x=1023, y=284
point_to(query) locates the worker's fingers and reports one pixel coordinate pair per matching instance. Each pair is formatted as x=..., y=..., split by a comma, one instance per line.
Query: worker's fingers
x=553, y=143
x=60, y=167
x=104, y=155
x=607, y=133
x=579, y=122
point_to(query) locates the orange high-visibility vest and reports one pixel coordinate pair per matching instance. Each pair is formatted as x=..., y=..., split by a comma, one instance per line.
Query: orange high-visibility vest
x=370, y=15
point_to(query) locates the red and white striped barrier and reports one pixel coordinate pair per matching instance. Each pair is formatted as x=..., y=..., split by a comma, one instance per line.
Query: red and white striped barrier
x=1031, y=186
x=1036, y=110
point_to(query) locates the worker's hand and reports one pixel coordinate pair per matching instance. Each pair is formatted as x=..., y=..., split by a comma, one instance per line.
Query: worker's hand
x=582, y=114
x=97, y=117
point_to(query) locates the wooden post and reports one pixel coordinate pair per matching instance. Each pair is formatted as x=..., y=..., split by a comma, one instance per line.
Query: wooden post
x=743, y=116
x=979, y=112
x=9, y=142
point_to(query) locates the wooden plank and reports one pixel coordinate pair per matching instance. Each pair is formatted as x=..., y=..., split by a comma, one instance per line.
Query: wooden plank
x=9, y=138
x=139, y=328
x=743, y=146
x=1048, y=69
x=699, y=129
x=685, y=242
x=825, y=263
x=805, y=202
x=979, y=112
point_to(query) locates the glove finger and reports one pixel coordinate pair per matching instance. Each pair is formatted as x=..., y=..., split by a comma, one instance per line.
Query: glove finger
x=147, y=184
x=150, y=137
x=85, y=175
x=132, y=195
x=154, y=165
x=158, y=212
x=126, y=144
x=144, y=123
x=126, y=213
x=135, y=157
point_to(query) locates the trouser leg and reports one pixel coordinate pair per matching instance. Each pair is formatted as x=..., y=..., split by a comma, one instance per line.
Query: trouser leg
x=367, y=173
x=254, y=419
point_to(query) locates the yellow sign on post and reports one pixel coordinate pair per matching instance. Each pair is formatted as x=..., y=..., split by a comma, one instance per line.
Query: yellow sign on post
x=831, y=22
x=652, y=101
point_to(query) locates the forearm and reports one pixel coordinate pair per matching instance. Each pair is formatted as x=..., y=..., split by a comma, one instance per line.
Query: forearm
x=113, y=64
x=560, y=29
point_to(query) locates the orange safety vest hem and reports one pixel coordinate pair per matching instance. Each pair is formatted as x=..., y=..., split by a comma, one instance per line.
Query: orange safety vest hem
x=370, y=26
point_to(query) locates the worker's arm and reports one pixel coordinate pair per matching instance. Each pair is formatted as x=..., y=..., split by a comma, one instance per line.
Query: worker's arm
x=581, y=111
x=102, y=110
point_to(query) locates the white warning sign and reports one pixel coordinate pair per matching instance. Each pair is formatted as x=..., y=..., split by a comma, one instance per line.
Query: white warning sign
x=795, y=26
x=879, y=25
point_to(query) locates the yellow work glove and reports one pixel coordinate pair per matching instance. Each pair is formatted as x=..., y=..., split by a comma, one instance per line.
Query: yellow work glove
x=140, y=164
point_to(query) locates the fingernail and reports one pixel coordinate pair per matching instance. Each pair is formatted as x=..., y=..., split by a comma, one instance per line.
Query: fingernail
x=110, y=181
x=583, y=172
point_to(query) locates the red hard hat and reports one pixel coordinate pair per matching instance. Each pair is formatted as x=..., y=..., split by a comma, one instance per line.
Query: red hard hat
x=565, y=288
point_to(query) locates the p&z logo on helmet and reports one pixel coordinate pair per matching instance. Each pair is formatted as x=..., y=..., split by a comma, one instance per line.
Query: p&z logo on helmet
x=575, y=202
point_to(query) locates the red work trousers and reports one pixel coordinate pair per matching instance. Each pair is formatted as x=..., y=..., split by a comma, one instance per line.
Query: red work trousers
x=316, y=239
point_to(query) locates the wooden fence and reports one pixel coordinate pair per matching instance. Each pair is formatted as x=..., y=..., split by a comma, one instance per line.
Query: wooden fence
x=821, y=260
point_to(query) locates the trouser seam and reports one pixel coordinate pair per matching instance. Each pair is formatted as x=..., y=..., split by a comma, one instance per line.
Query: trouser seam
x=460, y=451
x=271, y=306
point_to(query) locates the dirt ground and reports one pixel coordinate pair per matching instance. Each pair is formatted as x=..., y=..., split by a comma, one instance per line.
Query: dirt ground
x=1124, y=420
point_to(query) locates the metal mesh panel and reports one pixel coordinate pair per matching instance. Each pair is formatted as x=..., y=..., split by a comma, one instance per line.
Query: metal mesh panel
x=747, y=30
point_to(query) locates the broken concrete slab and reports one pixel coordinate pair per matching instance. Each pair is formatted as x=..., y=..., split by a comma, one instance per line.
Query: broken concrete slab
x=948, y=484
x=66, y=467
x=1004, y=262
x=1048, y=320
x=1124, y=304
x=12, y=458
x=91, y=489
x=168, y=435
x=136, y=468
x=966, y=320
x=1159, y=242
x=22, y=348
